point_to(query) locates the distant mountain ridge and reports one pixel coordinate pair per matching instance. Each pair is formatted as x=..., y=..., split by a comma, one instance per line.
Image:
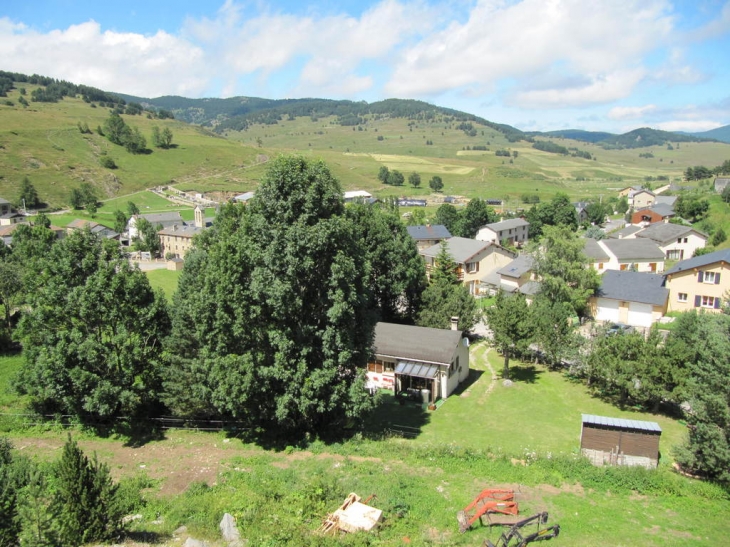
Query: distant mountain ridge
x=721, y=134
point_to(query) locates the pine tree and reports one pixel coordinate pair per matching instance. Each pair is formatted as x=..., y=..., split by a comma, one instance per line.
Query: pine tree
x=85, y=499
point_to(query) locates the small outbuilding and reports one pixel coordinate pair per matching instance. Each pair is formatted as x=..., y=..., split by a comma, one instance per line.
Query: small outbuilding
x=616, y=441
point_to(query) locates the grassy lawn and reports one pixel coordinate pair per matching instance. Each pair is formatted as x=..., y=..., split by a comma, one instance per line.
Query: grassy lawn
x=165, y=280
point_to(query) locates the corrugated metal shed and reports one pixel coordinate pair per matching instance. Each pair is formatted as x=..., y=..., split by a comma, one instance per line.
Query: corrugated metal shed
x=620, y=422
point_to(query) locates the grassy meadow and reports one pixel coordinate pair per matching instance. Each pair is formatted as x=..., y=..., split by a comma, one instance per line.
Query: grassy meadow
x=523, y=437
x=43, y=142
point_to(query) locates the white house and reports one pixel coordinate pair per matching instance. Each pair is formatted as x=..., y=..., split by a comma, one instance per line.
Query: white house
x=513, y=231
x=410, y=359
x=636, y=254
x=633, y=298
x=676, y=241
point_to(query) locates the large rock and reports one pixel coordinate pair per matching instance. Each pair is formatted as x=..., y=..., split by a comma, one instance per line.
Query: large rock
x=229, y=530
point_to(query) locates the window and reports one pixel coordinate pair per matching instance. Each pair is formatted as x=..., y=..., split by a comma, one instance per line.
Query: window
x=600, y=265
x=682, y=297
x=708, y=302
x=685, y=240
x=675, y=254
x=472, y=267
x=709, y=277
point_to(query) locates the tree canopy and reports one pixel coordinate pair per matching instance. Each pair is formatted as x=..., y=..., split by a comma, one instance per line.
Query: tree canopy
x=92, y=337
x=274, y=315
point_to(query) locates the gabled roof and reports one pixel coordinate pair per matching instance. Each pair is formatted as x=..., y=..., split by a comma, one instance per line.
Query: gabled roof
x=625, y=232
x=243, y=197
x=664, y=232
x=508, y=224
x=721, y=183
x=429, y=231
x=700, y=261
x=594, y=251
x=642, y=191
x=633, y=249
x=187, y=230
x=3, y=200
x=163, y=218
x=665, y=200
x=646, y=288
x=354, y=194
x=519, y=266
x=661, y=209
x=461, y=249
x=416, y=343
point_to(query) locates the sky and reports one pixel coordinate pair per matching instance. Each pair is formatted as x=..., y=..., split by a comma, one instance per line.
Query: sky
x=538, y=65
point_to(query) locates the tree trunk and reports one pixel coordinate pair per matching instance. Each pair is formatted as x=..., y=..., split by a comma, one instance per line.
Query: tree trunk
x=505, y=370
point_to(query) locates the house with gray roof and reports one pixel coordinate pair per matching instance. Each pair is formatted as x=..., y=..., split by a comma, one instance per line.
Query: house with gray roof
x=665, y=200
x=636, y=254
x=428, y=235
x=94, y=227
x=675, y=240
x=163, y=220
x=660, y=212
x=517, y=276
x=474, y=259
x=513, y=231
x=597, y=256
x=422, y=363
x=633, y=298
x=699, y=283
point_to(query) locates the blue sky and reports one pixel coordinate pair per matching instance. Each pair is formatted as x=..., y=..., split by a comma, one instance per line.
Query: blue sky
x=601, y=65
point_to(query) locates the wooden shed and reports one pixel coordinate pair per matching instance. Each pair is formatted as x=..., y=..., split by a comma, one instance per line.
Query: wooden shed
x=616, y=441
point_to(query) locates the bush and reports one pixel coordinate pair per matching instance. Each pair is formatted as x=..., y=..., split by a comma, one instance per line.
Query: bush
x=107, y=162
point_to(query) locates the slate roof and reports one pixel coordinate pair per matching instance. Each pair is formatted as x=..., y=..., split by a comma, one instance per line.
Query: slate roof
x=633, y=249
x=661, y=209
x=519, y=266
x=429, y=231
x=721, y=183
x=620, y=422
x=594, y=251
x=166, y=219
x=187, y=230
x=243, y=197
x=665, y=200
x=664, y=232
x=646, y=288
x=416, y=343
x=508, y=224
x=700, y=261
x=625, y=232
x=461, y=249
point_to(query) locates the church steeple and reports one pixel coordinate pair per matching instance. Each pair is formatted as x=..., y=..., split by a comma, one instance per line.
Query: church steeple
x=199, y=220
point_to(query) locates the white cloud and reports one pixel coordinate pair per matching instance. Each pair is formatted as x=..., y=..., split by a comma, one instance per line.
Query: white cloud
x=601, y=41
x=123, y=62
x=688, y=125
x=630, y=112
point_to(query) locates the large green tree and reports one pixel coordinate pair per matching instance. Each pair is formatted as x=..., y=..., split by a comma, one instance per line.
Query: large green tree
x=701, y=345
x=86, y=499
x=397, y=271
x=509, y=322
x=475, y=215
x=448, y=216
x=92, y=336
x=446, y=297
x=562, y=268
x=28, y=196
x=279, y=325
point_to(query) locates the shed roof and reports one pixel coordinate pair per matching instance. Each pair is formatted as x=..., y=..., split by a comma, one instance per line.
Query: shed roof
x=646, y=288
x=620, y=422
x=428, y=231
x=700, y=261
x=409, y=343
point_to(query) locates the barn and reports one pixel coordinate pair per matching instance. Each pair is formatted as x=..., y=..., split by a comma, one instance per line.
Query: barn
x=616, y=441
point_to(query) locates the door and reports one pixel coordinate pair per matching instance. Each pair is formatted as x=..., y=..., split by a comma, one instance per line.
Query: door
x=607, y=310
x=639, y=314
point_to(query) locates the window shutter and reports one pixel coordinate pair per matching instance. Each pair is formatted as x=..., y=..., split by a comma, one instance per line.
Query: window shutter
x=717, y=278
x=698, y=301
x=717, y=303
x=699, y=277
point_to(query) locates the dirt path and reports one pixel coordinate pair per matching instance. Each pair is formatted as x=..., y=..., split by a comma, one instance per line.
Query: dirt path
x=480, y=354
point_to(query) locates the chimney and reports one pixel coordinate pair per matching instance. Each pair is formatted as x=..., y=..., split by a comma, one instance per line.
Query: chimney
x=454, y=323
x=174, y=227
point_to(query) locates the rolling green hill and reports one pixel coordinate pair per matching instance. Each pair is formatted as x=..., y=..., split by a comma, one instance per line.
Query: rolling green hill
x=43, y=142
x=719, y=133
